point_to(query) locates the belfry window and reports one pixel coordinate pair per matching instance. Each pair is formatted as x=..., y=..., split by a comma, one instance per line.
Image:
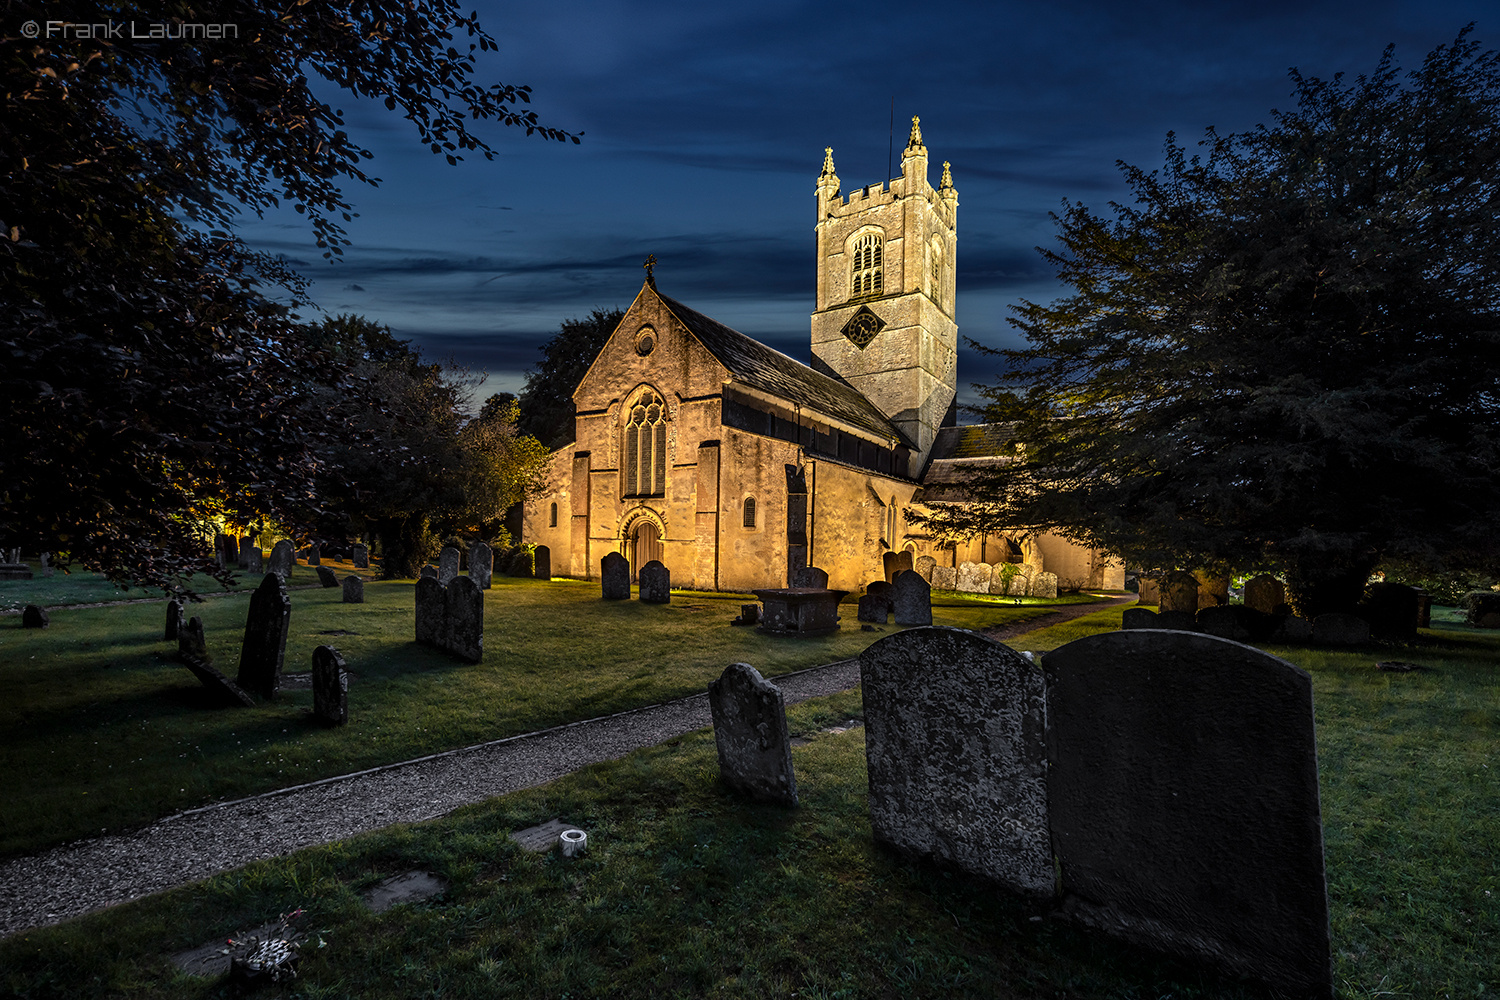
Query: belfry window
x=644, y=455
x=867, y=274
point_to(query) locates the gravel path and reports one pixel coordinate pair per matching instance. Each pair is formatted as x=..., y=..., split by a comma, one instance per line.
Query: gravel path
x=41, y=889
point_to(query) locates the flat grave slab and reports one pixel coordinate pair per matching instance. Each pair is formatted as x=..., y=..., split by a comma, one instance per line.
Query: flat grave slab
x=541, y=837
x=212, y=960
x=412, y=887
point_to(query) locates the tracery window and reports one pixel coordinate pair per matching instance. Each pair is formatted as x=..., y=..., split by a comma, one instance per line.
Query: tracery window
x=749, y=512
x=645, y=447
x=867, y=276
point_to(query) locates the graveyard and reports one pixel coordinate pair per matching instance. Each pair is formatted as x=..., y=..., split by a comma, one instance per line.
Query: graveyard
x=688, y=888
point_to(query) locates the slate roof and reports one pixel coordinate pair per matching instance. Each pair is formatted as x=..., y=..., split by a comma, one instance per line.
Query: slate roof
x=954, y=452
x=754, y=364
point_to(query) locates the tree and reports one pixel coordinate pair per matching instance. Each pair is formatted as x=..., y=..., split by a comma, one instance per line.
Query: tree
x=547, y=400
x=149, y=382
x=1282, y=355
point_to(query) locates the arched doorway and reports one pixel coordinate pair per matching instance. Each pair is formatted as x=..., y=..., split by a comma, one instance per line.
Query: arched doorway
x=645, y=545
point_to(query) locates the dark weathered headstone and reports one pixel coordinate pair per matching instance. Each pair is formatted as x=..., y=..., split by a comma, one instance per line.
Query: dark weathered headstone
x=1424, y=609
x=1339, y=629
x=755, y=753
x=46, y=564
x=614, y=577
x=1138, y=617
x=361, y=556
x=34, y=617
x=656, y=583
x=174, y=619
x=315, y=554
x=226, y=551
x=1179, y=592
x=447, y=565
x=481, y=565
x=224, y=689
x=896, y=563
x=1291, y=628
x=884, y=591
x=542, y=563
x=1182, y=782
x=810, y=576
x=954, y=741
x=924, y=566
x=1149, y=589
x=874, y=608
x=430, y=609
x=1213, y=589
x=1393, y=610
x=944, y=578
x=429, y=573
x=912, y=599
x=15, y=570
x=282, y=558
x=1179, y=621
x=1264, y=593
x=354, y=590
x=1227, y=621
x=330, y=684
x=749, y=614
x=327, y=577
x=264, y=646
x=191, y=643
x=255, y=560
x=463, y=622
x=247, y=542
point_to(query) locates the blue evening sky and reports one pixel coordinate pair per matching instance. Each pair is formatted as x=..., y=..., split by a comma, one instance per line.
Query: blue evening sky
x=704, y=133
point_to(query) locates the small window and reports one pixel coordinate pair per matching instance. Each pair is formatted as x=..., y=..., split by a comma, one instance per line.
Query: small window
x=749, y=512
x=554, y=515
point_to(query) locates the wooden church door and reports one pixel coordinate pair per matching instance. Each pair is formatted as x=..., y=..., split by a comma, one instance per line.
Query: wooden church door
x=645, y=545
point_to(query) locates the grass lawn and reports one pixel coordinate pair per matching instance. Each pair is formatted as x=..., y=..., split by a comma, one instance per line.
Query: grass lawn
x=101, y=730
x=83, y=587
x=688, y=892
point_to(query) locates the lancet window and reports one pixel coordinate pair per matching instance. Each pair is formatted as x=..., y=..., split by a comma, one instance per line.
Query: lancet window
x=867, y=277
x=645, y=447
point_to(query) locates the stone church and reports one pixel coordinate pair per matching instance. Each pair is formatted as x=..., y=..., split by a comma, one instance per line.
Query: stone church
x=736, y=465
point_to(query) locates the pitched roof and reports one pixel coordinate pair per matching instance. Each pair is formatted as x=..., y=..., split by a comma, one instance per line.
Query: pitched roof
x=754, y=364
x=955, y=452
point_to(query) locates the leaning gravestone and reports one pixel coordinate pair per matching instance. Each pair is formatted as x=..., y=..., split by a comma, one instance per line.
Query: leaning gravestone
x=896, y=563
x=542, y=567
x=447, y=565
x=1182, y=783
x=327, y=577
x=354, y=590
x=282, y=558
x=315, y=554
x=46, y=562
x=34, y=617
x=1044, y=585
x=361, y=556
x=955, y=745
x=191, y=643
x=1179, y=592
x=330, y=683
x=264, y=646
x=811, y=577
x=1264, y=593
x=656, y=583
x=974, y=578
x=174, y=619
x=614, y=577
x=924, y=567
x=913, y=599
x=481, y=565
x=944, y=578
x=192, y=651
x=755, y=753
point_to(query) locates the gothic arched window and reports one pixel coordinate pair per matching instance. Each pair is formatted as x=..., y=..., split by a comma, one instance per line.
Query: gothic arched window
x=644, y=455
x=867, y=273
x=749, y=512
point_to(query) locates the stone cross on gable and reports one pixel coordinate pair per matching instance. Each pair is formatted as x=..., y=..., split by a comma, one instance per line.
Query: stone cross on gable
x=650, y=266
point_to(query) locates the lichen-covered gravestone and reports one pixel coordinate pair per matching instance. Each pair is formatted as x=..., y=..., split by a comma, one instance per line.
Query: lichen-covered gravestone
x=255, y=560
x=656, y=583
x=1149, y=588
x=174, y=619
x=447, y=565
x=614, y=577
x=913, y=599
x=1179, y=592
x=810, y=576
x=1182, y=783
x=330, y=683
x=361, y=556
x=955, y=746
x=34, y=617
x=327, y=577
x=1044, y=585
x=354, y=590
x=974, y=578
x=481, y=565
x=924, y=567
x=542, y=567
x=264, y=645
x=1264, y=593
x=755, y=754
x=282, y=558
x=944, y=578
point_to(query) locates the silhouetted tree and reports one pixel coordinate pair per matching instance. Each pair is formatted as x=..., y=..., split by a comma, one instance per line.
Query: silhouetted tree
x=547, y=400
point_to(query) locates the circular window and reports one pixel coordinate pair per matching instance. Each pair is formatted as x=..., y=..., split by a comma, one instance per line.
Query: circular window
x=645, y=343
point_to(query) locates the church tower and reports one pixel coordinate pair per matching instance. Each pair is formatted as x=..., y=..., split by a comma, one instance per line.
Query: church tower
x=884, y=317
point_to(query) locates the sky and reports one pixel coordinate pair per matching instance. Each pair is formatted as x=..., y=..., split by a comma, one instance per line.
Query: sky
x=703, y=134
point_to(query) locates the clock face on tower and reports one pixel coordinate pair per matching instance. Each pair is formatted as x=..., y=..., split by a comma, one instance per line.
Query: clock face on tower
x=862, y=327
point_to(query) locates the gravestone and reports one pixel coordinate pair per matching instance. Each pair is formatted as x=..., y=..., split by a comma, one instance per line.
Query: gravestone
x=955, y=745
x=264, y=645
x=463, y=621
x=1478, y=605
x=361, y=556
x=327, y=577
x=614, y=577
x=46, y=561
x=1393, y=611
x=895, y=564
x=879, y=588
x=255, y=560
x=656, y=583
x=1179, y=592
x=1178, y=621
x=1138, y=617
x=924, y=567
x=224, y=555
x=874, y=608
x=15, y=570
x=247, y=543
x=1264, y=593
x=1182, y=783
x=1148, y=589
x=810, y=576
x=1338, y=629
x=1213, y=590
x=481, y=565
x=430, y=608
x=447, y=565
x=282, y=558
x=1424, y=608
x=1044, y=585
x=1228, y=621
x=191, y=644
x=543, y=563
x=755, y=752
x=223, y=689
x=315, y=554
x=330, y=684
x=174, y=619
x=1020, y=584
x=354, y=590
x=974, y=578
x=1291, y=628
x=429, y=573
x=944, y=578
x=913, y=599
x=34, y=617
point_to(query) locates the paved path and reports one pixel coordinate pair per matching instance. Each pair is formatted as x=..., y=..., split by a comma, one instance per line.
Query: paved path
x=41, y=889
